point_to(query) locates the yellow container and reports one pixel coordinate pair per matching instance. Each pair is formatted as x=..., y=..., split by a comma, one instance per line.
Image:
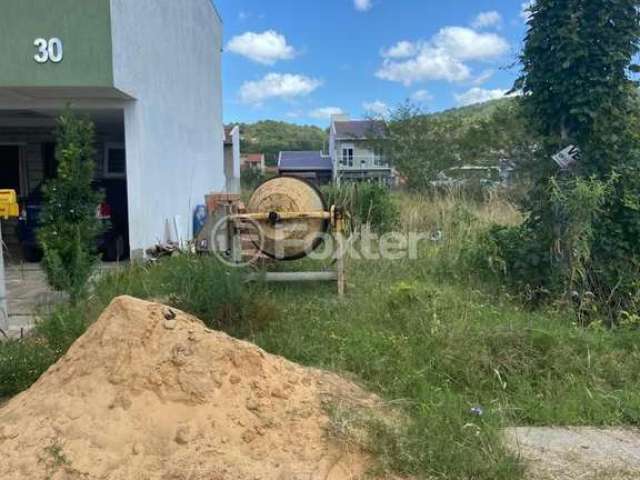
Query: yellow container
x=9, y=204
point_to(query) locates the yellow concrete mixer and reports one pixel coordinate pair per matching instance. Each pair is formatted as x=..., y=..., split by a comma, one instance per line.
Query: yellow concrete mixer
x=290, y=219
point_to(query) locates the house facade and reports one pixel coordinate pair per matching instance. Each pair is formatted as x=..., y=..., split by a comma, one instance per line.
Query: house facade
x=253, y=161
x=147, y=72
x=355, y=150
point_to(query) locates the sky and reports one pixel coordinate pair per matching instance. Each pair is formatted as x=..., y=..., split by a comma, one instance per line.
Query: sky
x=301, y=60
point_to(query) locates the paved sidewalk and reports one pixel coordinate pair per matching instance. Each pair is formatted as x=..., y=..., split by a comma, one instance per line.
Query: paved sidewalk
x=577, y=453
x=29, y=295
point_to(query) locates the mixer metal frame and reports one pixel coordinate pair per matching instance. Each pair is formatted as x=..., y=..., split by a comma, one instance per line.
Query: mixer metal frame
x=336, y=218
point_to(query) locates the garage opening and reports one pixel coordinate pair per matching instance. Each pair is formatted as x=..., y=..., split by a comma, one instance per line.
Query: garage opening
x=28, y=161
x=10, y=167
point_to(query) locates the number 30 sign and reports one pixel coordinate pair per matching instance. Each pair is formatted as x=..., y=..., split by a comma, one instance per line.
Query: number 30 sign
x=48, y=50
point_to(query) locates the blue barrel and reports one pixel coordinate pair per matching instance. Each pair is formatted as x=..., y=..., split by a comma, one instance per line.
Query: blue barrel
x=200, y=216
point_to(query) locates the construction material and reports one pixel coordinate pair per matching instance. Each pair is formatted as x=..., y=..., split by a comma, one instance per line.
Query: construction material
x=9, y=204
x=150, y=393
x=294, y=276
x=294, y=217
x=289, y=219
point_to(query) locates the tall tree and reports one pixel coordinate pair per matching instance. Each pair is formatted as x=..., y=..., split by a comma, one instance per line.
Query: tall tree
x=69, y=226
x=577, y=85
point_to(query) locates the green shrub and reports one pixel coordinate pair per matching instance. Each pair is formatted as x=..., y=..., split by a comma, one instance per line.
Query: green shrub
x=250, y=178
x=69, y=226
x=368, y=204
x=542, y=262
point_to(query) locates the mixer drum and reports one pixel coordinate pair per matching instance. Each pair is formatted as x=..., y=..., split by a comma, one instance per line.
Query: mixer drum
x=288, y=239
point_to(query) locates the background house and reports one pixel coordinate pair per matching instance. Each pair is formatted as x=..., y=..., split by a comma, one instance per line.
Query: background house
x=313, y=166
x=253, y=161
x=355, y=151
x=147, y=72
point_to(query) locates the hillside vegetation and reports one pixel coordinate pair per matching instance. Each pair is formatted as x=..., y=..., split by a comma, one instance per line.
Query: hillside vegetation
x=271, y=137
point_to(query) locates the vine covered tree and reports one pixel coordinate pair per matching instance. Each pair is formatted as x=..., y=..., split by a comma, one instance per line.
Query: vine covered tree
x=581, y=232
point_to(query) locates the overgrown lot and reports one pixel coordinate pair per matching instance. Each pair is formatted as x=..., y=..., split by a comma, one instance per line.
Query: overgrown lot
x=436, y=337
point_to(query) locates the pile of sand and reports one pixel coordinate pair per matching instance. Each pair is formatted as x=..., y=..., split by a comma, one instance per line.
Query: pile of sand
x=150, y=393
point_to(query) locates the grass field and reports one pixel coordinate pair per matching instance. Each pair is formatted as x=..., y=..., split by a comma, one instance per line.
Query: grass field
x=431, y=336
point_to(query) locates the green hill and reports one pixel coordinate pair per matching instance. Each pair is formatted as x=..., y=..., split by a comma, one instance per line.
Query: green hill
x=271, y=137
x=478, y=111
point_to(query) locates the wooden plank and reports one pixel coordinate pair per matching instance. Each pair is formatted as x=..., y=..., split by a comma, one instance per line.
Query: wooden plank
x=293, y=277
x=322, y=215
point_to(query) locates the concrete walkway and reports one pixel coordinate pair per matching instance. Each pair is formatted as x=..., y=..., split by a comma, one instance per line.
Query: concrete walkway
x=577, y=453
x=29, y=295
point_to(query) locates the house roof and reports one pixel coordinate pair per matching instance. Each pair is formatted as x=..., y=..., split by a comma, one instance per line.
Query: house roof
x=359, y=129
x=304, y=161
x=253, y=157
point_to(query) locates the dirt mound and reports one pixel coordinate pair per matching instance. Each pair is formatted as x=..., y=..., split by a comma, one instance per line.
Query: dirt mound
x=150, y=393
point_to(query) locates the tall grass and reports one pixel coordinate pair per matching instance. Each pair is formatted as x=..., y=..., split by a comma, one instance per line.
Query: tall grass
x=429, y=336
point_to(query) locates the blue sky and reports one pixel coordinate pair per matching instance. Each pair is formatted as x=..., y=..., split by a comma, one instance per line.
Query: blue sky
x=300, y=60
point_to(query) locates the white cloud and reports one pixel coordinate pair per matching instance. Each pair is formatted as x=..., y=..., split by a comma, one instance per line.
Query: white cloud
x=467, y=44
x=429, y=64
x=377, y=108
x=402, y=49
x=266, y=47
x=525, y=9
x=479, y=95
x=325, y=112
x=487, y=19
x=441, y=58
x=362, y=5
x=277, y=85
x=421, y=96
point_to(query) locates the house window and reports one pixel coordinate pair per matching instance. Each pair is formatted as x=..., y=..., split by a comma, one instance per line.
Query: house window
x=347, y=156
x=115, y=161
x=378, y=157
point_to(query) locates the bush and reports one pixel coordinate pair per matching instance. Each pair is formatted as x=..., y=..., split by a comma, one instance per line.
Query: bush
x=367, y=203
x=250, y=178
x=544, y=262
x=69, y=225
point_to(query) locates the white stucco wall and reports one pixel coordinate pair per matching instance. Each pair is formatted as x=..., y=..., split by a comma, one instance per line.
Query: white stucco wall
x=167, y=55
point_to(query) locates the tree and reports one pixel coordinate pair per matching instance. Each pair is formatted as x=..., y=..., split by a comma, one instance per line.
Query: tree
x=69, y=226
x=504, y=135
x=420, y=145
x=583, y=224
